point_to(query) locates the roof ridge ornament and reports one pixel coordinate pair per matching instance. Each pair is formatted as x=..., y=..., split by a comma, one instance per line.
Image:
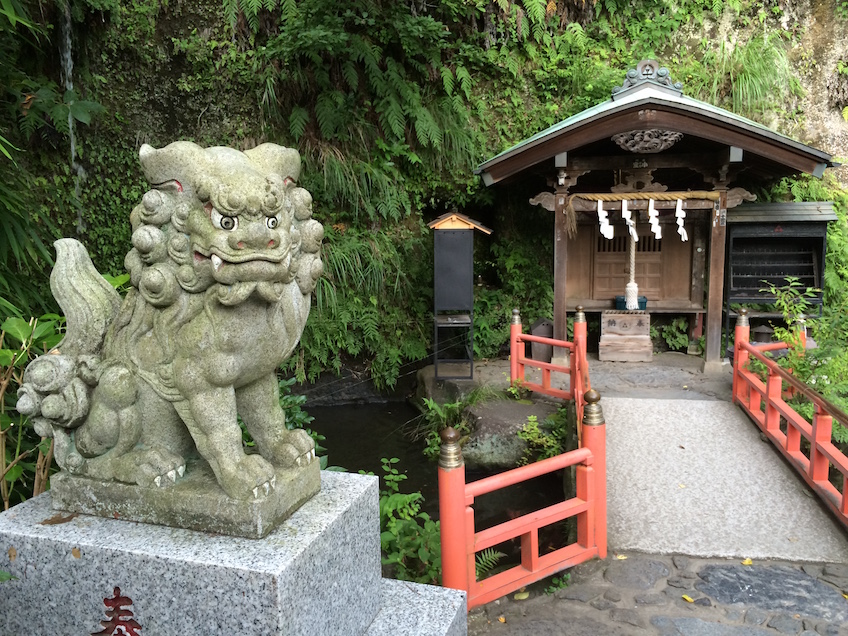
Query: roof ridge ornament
x=651, y=73
x=647, y=141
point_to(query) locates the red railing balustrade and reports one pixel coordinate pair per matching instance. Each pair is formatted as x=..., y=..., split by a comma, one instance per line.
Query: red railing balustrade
x=461, y=541
x=576, y=369
x=764, y=402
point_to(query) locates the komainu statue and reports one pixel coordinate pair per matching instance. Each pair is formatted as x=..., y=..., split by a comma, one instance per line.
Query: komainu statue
x=224, y=259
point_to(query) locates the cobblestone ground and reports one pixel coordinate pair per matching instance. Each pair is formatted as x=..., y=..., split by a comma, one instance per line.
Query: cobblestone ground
x=677, y=596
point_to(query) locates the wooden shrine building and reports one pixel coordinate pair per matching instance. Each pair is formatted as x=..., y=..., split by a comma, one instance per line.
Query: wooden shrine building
x=674, y=166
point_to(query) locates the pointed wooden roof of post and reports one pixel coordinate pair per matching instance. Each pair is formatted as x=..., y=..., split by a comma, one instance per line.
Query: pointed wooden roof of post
x=651, y=109
x=456, y=221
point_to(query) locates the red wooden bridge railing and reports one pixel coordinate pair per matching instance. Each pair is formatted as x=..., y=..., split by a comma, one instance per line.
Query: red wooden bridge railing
x=576, y=369
x=461, y=542
x=819, y=460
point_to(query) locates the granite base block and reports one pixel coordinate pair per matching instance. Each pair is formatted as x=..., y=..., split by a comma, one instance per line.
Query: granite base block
x=412, y=609
x=195, y=502
x=316, y=574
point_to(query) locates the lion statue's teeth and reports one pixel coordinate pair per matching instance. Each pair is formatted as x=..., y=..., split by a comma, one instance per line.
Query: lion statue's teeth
x=216, y=262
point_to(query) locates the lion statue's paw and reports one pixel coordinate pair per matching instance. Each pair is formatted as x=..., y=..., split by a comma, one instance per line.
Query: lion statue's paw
x=295, y=448
x=250, y=477
x=149, y=466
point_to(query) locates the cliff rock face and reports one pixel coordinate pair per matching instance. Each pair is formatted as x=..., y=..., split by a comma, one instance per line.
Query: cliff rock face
x=818, y=56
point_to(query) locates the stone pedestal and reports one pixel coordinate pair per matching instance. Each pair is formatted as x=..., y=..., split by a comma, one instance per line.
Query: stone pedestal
x=317, y=573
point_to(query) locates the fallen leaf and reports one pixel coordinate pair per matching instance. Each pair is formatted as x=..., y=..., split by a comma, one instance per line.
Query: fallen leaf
x=501, y=619
x=76, y=552
x=681, y=485
x=57, y=519
x=685, y=386
x=747, y=562
x=620, y=557
x=687, y=598
x=845, y=595
x=683, y=447
x=520, y=596
x=13, y=554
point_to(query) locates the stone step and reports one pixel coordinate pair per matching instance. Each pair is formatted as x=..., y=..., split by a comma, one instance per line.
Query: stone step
x=413, y=609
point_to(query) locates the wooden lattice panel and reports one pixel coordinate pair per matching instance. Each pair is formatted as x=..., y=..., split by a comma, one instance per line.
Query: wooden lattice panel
x=612, y=266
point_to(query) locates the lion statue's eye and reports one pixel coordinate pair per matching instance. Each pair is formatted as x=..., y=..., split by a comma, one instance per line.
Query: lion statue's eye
x=272, y=222
x=221, y=222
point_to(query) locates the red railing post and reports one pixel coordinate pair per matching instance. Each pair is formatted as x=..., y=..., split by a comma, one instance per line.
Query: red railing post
x=822, y=431
x=771, y=417
x=578, y=361
x=516, y=349
x=740, y=355
x=586, y=483
x=452, y=512
x=801, y=325
x=594, y=440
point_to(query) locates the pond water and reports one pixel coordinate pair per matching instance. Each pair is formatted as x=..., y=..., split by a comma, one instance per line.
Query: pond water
x=359, y=436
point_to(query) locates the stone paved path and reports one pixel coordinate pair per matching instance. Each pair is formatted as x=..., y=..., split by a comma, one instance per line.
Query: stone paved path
x=650, y=594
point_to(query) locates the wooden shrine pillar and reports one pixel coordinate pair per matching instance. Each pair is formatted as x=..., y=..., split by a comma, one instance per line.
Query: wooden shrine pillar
x=560, y=259
x=715, y=286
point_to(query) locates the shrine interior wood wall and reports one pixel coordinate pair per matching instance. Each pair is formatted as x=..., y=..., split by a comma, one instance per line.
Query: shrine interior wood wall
x=670, y=272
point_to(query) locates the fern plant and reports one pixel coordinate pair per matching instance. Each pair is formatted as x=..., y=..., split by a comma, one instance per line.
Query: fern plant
x=485, y=561
x=349, y=81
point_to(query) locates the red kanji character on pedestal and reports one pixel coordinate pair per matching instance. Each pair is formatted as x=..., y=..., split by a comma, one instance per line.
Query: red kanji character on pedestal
x=121, y=622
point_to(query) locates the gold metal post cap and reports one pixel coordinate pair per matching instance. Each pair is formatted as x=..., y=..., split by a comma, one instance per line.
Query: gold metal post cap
x=593, y=414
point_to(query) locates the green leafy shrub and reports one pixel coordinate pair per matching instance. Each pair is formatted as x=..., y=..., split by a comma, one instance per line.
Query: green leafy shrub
x=676, y=334
x=549, y=438
x=409, y=538
x=25, y=458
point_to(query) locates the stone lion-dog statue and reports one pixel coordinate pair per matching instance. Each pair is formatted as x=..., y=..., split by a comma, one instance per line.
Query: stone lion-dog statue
x=224, y=259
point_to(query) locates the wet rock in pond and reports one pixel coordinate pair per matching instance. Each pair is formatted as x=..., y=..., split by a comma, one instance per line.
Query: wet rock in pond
x=494, y=444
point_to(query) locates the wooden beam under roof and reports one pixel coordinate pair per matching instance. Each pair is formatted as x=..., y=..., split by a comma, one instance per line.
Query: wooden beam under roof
x=696, y=161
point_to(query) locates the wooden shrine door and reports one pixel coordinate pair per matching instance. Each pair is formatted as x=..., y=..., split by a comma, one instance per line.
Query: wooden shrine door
x=612, y=266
